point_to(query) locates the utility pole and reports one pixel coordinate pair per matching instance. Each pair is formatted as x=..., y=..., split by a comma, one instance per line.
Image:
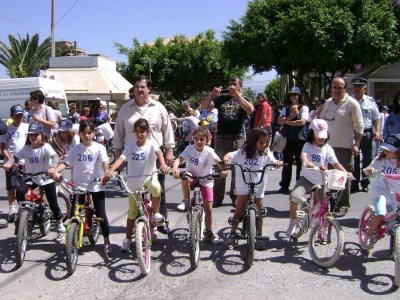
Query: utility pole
x=149, y=60
x=53, y=42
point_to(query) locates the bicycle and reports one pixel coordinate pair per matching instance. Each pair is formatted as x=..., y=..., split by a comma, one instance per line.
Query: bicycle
x=82, y=223
x=195, y=216
x=250, y=230
x=34, y=210
x=326, y=239
x=390, y=224
x=145, y=224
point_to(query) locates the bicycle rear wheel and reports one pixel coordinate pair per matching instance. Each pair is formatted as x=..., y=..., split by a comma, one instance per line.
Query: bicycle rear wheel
x=364, y=223
x=326, y=242
x=111, y=156
x=22, y=237
x=194, y=238
x=64, y=204
x=251, y=237
x=396, y=252
x=143, y=247
x=71, y=247
x=94, y=230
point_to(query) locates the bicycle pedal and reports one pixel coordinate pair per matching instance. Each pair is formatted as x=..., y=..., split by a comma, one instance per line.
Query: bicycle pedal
x=300, y=214
x=263, y=212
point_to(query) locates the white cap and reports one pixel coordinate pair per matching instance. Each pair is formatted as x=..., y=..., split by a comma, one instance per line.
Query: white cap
x=320, y=128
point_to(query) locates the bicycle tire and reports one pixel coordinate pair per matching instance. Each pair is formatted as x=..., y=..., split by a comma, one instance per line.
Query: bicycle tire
x=143, y=247
x=194, y=238
x=22, y=237
x=71, y=247
x=251, y=237
x=320, y=250
x=363, y=225
x=94, y=229
x=66, y=204
x=396, y=252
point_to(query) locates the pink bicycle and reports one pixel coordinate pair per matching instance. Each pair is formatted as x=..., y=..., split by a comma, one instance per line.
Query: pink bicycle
x=326, y=239
x=390, y=224
x=145, y=225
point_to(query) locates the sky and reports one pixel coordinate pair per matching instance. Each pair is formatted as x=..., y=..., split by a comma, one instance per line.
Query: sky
x=96, y=24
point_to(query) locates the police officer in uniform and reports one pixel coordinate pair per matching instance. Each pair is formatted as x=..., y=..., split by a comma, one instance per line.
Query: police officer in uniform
x=372, y=131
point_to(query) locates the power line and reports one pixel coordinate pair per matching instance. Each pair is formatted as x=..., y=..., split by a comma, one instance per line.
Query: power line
x=69, y=9
x=22, y=24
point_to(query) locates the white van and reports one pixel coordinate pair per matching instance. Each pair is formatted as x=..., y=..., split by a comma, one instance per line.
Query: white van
x=16, y=91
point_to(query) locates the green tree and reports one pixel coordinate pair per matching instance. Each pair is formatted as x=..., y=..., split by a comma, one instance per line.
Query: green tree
x=323, y=37
x=272, y=90
x=23, y=57
x=180, y=66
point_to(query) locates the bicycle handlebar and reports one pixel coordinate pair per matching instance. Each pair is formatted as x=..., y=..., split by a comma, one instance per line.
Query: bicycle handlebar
x=184, y=175
x=244, y=169
x=140, y=191
x=23, y=173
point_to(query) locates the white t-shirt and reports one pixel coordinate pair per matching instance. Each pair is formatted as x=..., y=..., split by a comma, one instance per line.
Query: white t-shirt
x=87, y=165
x=107, y=131
x=188, y=125
x=200, y=163
x=15, y=138
x=47, y=113
x=387, y=166
x=75, y=141
x=255, y=164
x=37, y=160
x=319, y=156
x=141, y=161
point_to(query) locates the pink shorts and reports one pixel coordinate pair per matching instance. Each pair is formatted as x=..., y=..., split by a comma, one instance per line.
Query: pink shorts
x=207, y=193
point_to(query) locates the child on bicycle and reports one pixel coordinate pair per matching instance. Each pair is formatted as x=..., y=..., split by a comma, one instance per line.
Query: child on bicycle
x=200, y=159
x=89, y=161
x=65, y=140
x=388, y=162
x=39, y=156
x=316, y=153
x=255, y=154
x=141, y=157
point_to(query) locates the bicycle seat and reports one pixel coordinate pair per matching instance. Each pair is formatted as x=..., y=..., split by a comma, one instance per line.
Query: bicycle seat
x=315, y=187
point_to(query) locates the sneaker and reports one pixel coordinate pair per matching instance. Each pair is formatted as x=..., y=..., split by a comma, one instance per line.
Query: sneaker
x=61, y=228
x=108, y=248
x=126, y=245
x=164, y=229
x=12, y=214
x=60, y=236
x=340, y=212
x=369, y=243
x=292, y=228
x=182, y=206
x=158, y=218
x=260, y=245
x=210, y=237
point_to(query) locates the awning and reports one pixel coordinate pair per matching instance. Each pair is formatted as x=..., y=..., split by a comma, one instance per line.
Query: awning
x=89, y=83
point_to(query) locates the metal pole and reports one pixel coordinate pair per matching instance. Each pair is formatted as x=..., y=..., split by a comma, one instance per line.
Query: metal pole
x=53, y=42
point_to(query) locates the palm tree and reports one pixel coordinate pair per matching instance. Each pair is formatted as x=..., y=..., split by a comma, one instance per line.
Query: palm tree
x=25, y=56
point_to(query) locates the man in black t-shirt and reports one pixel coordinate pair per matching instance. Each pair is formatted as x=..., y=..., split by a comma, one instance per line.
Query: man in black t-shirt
x=233, y=109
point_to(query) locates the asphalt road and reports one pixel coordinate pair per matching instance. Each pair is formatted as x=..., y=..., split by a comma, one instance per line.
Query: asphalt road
x=283, y=271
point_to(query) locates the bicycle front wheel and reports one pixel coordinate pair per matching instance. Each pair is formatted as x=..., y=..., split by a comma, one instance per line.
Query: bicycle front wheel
x=194, y=238
x=71, y=247
x=326, y=242
x=143, y=247
x=396, y=252
x=251, y=237
x=22, y=237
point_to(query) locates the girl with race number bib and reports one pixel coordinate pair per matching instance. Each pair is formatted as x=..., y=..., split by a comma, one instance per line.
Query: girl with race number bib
x=200, y=159
x=316, y=153
x=141, y=157
x=39, y=156
x=254, y=154
x=388, y=162
x=89, y=161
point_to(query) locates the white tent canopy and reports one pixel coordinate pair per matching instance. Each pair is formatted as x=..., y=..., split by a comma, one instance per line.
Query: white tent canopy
x=88, y=77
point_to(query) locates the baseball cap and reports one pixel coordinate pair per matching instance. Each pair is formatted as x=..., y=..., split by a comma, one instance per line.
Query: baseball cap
x=16, y=109
x=35, y=128
x=320, y=128
x=392, y=143
x=295, y=90
x=65, y=125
